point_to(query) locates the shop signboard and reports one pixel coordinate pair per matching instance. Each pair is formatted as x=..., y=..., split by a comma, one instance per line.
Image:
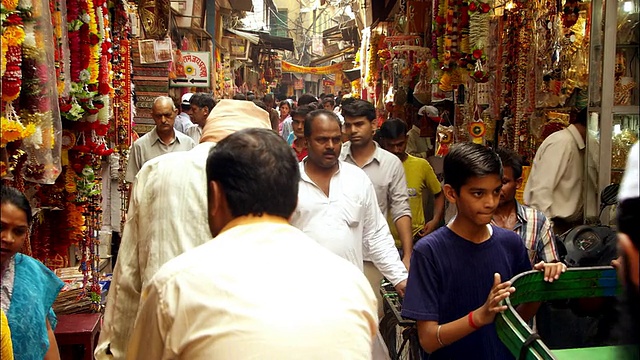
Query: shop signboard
x=197, y=70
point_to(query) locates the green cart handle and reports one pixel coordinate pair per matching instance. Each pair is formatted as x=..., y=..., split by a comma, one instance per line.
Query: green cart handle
x=600, y=281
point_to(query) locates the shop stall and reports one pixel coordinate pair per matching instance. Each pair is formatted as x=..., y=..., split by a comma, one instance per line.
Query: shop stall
x=510, y=73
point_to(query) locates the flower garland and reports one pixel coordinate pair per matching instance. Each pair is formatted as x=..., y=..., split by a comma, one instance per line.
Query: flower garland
x=12, y=130
x=13, y=36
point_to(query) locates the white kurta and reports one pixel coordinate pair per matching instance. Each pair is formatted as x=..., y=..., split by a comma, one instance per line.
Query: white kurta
x=167, y=216
x=259, y=290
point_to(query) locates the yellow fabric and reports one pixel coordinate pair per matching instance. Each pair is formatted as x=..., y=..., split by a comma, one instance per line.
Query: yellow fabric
x=6, y=349
x=420, y=176
x=320, y=70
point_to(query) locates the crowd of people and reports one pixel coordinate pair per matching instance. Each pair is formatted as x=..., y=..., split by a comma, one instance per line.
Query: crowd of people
x=261, y=232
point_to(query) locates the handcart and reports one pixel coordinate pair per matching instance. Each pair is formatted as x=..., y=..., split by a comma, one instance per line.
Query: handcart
x=513, y=331
x=575, y=283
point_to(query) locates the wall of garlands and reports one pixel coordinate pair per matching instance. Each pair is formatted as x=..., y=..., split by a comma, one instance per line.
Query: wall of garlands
x=512, y=67
x=66, y=107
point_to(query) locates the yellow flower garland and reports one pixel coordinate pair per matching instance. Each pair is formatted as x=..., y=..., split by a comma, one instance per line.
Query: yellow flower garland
x=94, y=59
x=13, y=35
x=9, y=5
x=13, y=130
x=3, y=58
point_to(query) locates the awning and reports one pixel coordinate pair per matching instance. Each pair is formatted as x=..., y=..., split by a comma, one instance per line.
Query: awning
x=263, y=38
x=254, y=39
x=347, y=50
x=353, y=74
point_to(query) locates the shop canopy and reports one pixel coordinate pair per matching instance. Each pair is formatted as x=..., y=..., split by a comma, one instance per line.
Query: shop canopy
x=265, y=39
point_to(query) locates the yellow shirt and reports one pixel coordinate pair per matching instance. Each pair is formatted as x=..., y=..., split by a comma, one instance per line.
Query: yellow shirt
x=420, y=176
x=6, y=349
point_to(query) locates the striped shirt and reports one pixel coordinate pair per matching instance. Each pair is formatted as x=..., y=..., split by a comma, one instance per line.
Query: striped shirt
x=536, y=232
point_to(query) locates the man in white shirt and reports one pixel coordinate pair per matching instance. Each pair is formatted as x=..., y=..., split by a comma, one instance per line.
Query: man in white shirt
x=337, y=206
x=556, y=182
x=183, y=120
x=166, y=217
x=255, y=291
x=162, y=139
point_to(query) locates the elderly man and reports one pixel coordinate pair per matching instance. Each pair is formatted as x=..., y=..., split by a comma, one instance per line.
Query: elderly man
x=162, y=139
x=222, y=301
x=167, y=216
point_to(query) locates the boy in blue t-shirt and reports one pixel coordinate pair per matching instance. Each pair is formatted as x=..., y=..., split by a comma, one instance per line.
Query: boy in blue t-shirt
x=456, y=275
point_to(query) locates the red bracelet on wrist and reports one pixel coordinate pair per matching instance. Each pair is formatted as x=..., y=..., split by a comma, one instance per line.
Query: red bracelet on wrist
x=471, y=323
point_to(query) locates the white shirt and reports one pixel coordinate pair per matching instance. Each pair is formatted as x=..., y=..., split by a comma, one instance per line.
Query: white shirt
x=348, y=221
x=416, y=145
x=167, y=216
x=386, y=173
x=259, y=290
x=555, y=184
x=195, y=133
x=150, y=146
x=182, y=122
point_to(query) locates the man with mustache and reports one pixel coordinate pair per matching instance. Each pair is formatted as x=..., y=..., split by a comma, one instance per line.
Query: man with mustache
x=162, y=139
x=337, y=205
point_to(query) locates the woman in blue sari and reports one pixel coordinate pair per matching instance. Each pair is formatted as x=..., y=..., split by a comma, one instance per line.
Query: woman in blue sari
x=28, y=288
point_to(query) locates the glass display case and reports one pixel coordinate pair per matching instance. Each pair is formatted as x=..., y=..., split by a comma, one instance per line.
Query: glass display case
x=614, y=94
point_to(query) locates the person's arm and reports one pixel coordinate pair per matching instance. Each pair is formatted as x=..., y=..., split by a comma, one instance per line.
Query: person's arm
x=124, y=295
x=400, y=209
x=438, y=214
x=403, y=225
x=434, y=336
x=147, y=340
x=52, y=352
x=378, y=243
x=549, y=165
x=432, y=183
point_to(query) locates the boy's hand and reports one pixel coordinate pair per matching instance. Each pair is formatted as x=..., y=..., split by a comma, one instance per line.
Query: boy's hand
x=552, y=271
x=500, y=291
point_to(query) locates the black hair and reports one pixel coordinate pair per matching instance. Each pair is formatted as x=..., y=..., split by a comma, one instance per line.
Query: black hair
x=467, y=160
x=202, y=99
x=329, y=100
x=285, y=102
x=261, y=105
x=239, y=96
x=322, y=96
x=393, y=129
x=510, y=159
x=304, y=110
x=358, y=108
x=267, y=98
x=16, y=198
x=308, y=122
x=248, y=165
x=581, y=116
x=307, y=99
